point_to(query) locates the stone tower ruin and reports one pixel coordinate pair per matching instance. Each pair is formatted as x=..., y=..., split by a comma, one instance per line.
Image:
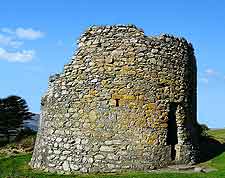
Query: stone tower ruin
x=125, y=101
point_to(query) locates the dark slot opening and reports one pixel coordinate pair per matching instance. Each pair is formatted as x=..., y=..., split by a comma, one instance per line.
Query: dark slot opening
x=172, y=129
x=117, y=102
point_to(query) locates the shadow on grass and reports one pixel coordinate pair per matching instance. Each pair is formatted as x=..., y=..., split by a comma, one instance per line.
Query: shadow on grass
x=210, y=148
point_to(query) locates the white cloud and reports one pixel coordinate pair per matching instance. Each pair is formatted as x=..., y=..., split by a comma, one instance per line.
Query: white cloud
x=24, y=33
x=28, y=34
x=204, y=80
x=18, y=56
x=209, y=75
x=210, y=72
x=8, y=41
x=14, y=38
x=7, y=30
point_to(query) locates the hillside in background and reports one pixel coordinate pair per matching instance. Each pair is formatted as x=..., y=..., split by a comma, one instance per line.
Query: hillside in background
x=218, y=134
x=33, y=123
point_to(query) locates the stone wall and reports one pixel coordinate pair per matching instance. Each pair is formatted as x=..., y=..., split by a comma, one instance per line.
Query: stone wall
x=125, y=101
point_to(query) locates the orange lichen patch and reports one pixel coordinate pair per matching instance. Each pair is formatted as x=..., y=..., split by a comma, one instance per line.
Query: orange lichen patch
x=164, y=125
x=122, y=102
x=124, y=123
x=152, y=115
x=148, y=113
x=149, y=138
x=103, y=82
x=133, y=121
x=122, y=94
x=88, y=98
x=149, y=119
x=167, y=81
x=141, y=122
x=116, y=96
x=123, y=99
x=155, y=125
x=132, y=105
x=128, y=97
x=150, y=106
x=152, y=139
x=93, y=92
x=158, y=96
x=101, y=125
x=126, y=70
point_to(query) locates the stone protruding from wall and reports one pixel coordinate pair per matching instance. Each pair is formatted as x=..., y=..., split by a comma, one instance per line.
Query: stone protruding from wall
x=125, y=101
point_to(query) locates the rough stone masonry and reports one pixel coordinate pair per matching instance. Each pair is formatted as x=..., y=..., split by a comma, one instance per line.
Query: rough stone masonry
x=126, y=101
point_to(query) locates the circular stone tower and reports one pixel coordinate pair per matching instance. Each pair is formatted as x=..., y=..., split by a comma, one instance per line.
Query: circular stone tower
x=125, y=101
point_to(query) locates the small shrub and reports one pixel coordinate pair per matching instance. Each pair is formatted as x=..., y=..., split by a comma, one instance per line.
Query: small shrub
x=203, y=131
x=28, y=142
x=24, y=133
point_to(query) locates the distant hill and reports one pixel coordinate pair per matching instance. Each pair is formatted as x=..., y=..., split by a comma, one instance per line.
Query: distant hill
x=218, y=134
x=33, y=123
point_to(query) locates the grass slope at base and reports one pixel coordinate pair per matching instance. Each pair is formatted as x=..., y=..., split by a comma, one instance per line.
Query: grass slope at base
x=17, y=167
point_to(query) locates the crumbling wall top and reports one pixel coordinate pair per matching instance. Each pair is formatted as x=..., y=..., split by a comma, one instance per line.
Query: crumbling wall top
x=130, y=30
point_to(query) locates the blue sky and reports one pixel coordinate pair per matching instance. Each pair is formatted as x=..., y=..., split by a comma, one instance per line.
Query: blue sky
x=38, y=37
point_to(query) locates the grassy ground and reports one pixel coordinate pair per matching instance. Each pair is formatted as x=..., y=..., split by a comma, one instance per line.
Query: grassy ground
x=218, y=134
x=17, y=167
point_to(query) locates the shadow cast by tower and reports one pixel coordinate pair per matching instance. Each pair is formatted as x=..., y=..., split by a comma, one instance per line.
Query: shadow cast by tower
x=210, y=148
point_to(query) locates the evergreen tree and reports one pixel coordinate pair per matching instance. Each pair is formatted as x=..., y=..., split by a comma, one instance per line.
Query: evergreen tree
x=13, y=111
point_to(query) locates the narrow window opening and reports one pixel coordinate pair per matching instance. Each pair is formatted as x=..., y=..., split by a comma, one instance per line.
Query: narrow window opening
x=117, y=102
x=172, y=138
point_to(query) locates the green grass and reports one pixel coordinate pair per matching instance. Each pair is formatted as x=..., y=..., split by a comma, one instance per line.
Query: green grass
x=17, y=167
x=218, y=134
